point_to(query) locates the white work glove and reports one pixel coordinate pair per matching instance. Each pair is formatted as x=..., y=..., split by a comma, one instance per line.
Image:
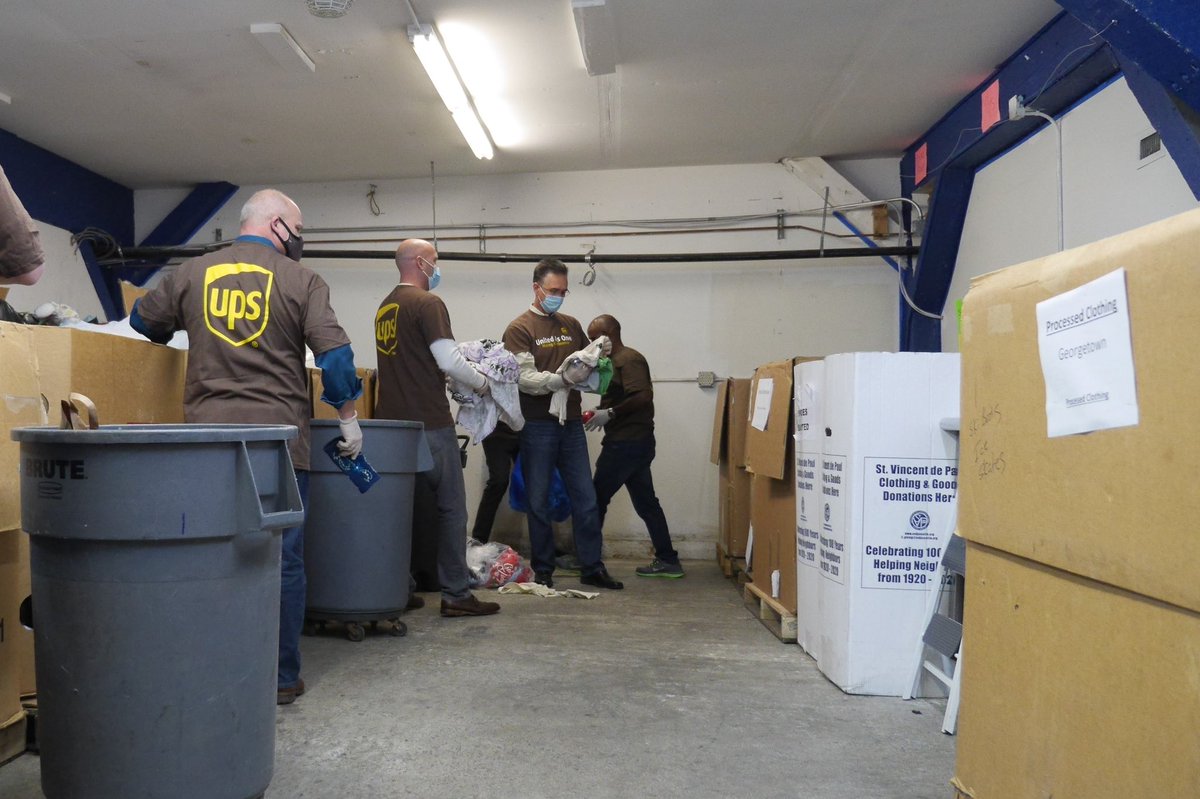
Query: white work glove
x=606, y=348
x=485, y=389
x=599, y=419
x=352, y=438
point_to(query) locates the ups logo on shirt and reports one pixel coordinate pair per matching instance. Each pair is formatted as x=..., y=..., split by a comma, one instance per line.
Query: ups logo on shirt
x=385, y=329
x=237, y=301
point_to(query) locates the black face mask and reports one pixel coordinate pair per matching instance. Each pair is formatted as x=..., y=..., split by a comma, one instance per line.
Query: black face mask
x=293, y=246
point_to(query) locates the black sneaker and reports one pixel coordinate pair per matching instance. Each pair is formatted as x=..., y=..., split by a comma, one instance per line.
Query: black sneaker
x=544, y=578
x=660, y=568
x=601, y=579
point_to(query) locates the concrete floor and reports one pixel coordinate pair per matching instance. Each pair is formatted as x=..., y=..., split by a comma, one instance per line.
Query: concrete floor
x=669, y=688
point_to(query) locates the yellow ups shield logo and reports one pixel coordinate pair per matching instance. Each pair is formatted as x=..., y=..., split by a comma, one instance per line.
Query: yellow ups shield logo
x=385, y=329
x=237, y=301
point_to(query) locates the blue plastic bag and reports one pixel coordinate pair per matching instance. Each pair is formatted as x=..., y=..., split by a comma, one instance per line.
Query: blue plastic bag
x=358, y=470
x=560, y=503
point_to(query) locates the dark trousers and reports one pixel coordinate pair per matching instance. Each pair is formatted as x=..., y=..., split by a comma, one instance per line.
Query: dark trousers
x=627, y=463
x=500, y=450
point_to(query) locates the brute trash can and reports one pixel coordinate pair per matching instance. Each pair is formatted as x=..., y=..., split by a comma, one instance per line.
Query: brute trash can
x=155, y=555
x=356, y=546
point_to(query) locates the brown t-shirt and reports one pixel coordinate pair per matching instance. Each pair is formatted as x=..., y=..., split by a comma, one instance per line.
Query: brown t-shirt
x=550, y=339
x=631, y=375
x=411, y=386
x=20, y=248
x=248, y=311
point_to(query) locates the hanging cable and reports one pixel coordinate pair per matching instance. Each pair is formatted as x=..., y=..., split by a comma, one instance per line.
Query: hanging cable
x=372, y=205
x=433, y=197
x=589, y=277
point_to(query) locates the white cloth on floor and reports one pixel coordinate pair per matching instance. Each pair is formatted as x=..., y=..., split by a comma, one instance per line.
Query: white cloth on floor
x=537, y=589
x=578, y=367
x=479, y=414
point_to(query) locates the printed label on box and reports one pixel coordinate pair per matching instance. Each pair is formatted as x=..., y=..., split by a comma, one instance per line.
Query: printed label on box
x=832, y=545
x=762, y=403
x=1087, y=358
x=808, y=508
x=907, y=505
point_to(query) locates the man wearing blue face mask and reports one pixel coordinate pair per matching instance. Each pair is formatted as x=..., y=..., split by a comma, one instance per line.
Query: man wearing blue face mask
x=416, y=351
x=542, y=339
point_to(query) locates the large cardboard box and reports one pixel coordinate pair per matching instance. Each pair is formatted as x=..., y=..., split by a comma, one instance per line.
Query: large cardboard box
x=10, y=665
x=728, y=451
x=770, y=458
x=364, y=405
x=808, y=390
x=888, y=484
x=1116, y=505
x=1074, y=688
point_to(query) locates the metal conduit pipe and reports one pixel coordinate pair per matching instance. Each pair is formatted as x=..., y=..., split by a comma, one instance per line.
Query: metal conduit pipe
x=160, y=253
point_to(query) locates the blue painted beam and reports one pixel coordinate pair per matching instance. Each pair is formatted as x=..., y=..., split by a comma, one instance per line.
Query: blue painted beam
x=929, y=283
x=1061, y=63
x=178, y=227
x=1177, y=123
x=62, y=193
x=1163, y=38
x=105, y=282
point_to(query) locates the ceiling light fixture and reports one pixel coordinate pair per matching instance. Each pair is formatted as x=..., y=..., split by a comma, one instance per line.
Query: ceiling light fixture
x=286, y=51
x=329, y=9
x=445, y=79
x=597, y=35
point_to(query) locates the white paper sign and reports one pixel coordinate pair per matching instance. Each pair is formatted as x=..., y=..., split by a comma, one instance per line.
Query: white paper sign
x=762, y=403
x=831, y=552
x=908, y=506
x=1087, y=358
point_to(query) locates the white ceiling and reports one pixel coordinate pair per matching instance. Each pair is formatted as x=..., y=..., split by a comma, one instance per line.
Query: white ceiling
x=172, y=92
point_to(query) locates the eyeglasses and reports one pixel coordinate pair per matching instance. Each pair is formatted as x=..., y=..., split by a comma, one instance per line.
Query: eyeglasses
x=554, y=292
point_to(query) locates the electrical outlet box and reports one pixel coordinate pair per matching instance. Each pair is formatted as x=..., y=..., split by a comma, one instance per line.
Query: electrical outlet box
x=706, y=379
x=1016, y=107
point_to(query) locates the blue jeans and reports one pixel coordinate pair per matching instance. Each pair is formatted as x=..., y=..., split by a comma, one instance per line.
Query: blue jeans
x=292, y=595
x=627, y=463
x=545, y=445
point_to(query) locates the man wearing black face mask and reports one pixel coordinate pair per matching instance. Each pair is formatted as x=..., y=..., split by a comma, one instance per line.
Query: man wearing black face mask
x=249, y=310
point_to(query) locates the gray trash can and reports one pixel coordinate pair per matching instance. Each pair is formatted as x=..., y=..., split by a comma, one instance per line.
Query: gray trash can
x=357, y=546
x=154, y=552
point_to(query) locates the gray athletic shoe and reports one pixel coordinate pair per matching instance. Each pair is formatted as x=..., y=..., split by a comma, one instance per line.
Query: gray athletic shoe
x=660, y=569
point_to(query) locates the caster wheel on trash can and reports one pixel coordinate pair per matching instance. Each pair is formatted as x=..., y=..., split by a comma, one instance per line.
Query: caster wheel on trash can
x=398, y=628
x=355, y=631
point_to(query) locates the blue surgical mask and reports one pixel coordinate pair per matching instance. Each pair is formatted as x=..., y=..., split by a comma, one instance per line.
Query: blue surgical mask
x=434, y=278
x=550, y=303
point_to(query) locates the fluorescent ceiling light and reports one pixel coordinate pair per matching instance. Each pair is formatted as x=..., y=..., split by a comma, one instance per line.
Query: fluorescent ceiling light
x=286, y=51
x=433, y=57
x=597, y=35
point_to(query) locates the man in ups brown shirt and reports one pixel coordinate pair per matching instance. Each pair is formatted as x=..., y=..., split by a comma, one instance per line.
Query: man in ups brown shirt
x=249, y=310
x=416, y=351
x=542, y=339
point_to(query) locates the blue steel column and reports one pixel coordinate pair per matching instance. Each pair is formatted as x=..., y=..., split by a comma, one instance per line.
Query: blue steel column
x=1176, y=123
x=929, y=283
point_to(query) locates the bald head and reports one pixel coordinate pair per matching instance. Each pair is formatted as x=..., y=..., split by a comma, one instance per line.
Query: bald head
x=273, y=215
x=416, y=260
x=605, y=325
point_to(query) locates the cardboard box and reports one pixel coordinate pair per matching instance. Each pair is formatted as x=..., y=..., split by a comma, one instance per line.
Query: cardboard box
x=364, y=405
x=10, y=600
x=770, y=458
x=1117, y=505
x=1074, y=688
x=808, y=386
x=888, y=484
x=728, y=451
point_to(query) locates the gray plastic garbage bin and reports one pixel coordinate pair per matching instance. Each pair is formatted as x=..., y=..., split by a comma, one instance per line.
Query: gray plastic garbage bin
x=154, y=553
x=356, y=546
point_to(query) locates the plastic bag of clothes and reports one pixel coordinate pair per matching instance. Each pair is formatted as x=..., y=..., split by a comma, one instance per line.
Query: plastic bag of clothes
x=494, y=564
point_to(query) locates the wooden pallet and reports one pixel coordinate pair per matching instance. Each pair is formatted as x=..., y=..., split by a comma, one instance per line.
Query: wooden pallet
x=730, y=565
x=772, y=614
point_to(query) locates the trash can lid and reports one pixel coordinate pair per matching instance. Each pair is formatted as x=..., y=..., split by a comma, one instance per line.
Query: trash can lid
x=157, y=434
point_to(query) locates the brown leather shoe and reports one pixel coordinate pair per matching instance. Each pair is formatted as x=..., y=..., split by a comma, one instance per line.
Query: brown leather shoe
x=415, y=602
x=470, y=606
x=285, y=696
